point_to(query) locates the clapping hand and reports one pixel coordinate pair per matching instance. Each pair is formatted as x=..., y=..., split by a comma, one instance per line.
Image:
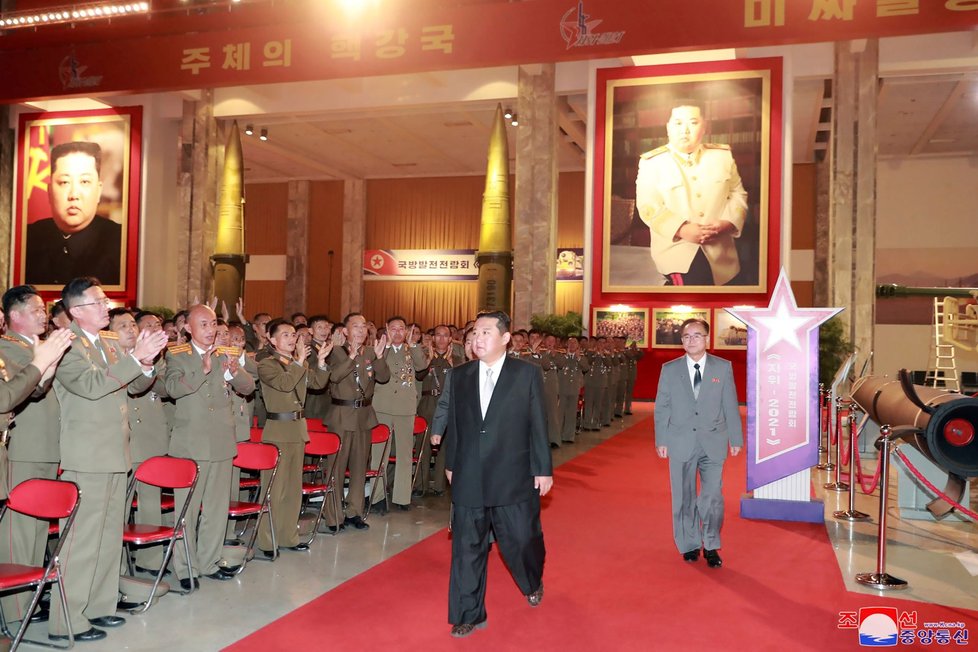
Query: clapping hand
x=148, y=346
x=380, y=346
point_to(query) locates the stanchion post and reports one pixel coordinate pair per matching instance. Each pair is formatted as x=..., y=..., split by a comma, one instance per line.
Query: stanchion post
x=840, y=405
x=881, y=580
x=827, y=465
x=852, y=514
x=821, y=420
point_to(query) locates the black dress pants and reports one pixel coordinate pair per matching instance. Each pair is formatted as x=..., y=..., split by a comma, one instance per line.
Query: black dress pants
x=519, y=536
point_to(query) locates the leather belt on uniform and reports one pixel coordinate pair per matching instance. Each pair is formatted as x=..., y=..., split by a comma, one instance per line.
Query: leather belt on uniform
x=285, y=416
x=353, y=402
x=431, y=392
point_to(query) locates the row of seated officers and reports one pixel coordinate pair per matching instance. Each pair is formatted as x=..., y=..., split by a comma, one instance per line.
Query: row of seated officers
x=95, y=392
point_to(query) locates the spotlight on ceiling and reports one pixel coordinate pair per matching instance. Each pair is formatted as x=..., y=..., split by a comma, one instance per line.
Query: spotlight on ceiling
x=250, y=130
x=264, y=134
x=508, y=114
x=514, y=121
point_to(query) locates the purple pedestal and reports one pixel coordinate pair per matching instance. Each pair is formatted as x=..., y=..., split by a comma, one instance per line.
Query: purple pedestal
x=770, y=509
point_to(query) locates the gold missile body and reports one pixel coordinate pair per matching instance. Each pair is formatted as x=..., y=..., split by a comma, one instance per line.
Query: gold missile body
x=229, y=251
x=495, y=255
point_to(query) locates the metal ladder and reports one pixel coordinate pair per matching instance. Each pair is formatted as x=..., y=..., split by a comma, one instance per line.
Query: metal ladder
x=944, y=369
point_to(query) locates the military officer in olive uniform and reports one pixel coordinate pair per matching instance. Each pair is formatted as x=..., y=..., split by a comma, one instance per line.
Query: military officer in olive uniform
x=200, y=380
x=285, y=378
x=34, y=430
x=595, y=384
x=632, y=356
x=571, y=377
x=149, y=436
x=317, y=400
x=396, y=405
x=91, y=383
x=443, y=358
x=354, y=369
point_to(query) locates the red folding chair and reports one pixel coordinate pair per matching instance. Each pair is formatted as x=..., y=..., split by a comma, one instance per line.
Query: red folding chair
x=315, y=425
x=44, y=500
x=256, y=457
x=380, y=434
x=312, y=466
x=166, y=473
x=252, y=483
x=420, y=428
x=320, y=447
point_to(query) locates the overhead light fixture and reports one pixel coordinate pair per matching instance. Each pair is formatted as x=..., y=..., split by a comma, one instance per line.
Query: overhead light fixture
x=250, y=130
x=508, y=114
x=264, y=134
x=515, y=121
x=71, y=14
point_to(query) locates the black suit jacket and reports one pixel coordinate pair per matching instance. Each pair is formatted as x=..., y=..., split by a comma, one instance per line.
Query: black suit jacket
x=95, y=251
x=493, y=461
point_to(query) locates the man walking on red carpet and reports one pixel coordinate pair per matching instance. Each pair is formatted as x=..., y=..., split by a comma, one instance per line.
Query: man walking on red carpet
x=696, y=417
x=497, y=458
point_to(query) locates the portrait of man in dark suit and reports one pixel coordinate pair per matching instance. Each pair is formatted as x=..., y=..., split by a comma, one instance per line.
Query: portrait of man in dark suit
x=696, y=420
x=497, y=458
x=75, y=241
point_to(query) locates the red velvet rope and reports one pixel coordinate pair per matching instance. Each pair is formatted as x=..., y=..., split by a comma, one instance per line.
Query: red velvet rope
x=862, y=481
x=845, y=452
x=940, y=494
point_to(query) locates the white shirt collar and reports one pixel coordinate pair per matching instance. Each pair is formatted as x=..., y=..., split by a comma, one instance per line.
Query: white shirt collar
x=496, y=368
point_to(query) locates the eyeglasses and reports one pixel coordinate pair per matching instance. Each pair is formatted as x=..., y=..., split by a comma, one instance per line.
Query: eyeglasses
x=101, y=302
x=692, y=336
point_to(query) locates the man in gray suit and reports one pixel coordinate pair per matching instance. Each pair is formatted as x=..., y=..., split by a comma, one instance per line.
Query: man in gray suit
x=696, y=417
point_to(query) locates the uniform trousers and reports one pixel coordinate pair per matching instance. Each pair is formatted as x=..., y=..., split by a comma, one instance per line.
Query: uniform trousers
x=629, y=391
x=286, y=497
x=206, y=534
x=519, y=536
x=607, y=402
x=403, y=447
x=90, y=556
x=592, y=406
x=352, y=457
x=567, y=407
x=24, y=539
x=553, y=414
x=696, y=520
x=620, y=395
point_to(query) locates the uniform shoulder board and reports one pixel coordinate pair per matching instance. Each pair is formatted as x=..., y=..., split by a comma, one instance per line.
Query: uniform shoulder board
x=178, y=348
x=655, y=152
x=108, y=335
x=716, y=146
x=15, y=340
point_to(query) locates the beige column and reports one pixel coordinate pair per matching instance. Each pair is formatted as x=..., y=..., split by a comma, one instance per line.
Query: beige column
x=202, y=154
x=297, y=247
x=7, y=146
x=535, y=235
x=852, y=187
x=354, y=234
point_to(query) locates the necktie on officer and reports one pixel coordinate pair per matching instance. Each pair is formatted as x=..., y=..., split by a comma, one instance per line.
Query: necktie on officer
x=697, y=379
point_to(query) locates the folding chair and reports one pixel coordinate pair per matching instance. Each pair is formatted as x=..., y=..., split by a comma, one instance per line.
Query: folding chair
x=47, y=500
x=312, y=466
x=315, y=425
x=166, y=473
x=256, y=457
x=420, y=428
x=380, y=434
x=252, y=483
x=320, y=446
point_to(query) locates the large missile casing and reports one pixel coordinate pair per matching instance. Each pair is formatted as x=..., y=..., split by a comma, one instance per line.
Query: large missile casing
x=229, y=251
x=893, y=290
x=947, y=425
x=495, y=255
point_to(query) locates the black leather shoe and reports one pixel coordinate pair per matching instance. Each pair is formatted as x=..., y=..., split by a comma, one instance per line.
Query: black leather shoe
x=417, y=493
x=90, y=635
x=628, y=412
x=536, y=597
x=269, y=554
x=712, y=558
x=692, y=555
x=403, y=508
x=220, y=575
x=554, y=444
x=301, y=547
x=185, y=584
x=231, y=570
x=376, y=508
x=332, y=529
x=357, y=522
x=108, y=621
x=41, y=615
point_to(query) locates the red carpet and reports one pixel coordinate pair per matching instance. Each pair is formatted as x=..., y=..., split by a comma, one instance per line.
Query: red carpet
x=614, y=580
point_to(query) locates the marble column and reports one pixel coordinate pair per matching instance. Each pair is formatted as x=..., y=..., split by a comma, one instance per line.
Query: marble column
x=535, y=235
x=852, y=187
x=7, y=147
x=202, y=154
x=354, y=235
x=297, y=247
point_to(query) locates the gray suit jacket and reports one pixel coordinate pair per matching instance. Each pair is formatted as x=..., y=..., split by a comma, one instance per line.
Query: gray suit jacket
x=712, y=419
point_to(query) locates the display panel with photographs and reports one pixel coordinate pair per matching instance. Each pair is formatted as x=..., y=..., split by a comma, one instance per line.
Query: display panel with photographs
x=620, y=321
x=668, y=324
x=728, y=331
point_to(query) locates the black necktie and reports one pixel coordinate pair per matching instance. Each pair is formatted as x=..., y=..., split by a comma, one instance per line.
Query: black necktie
x=697, y=379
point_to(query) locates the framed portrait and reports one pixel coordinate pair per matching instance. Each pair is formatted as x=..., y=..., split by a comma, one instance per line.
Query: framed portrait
x=728, y=331
x=621, y=321
x=687, y=177
x=668, y=322
x=77, y=211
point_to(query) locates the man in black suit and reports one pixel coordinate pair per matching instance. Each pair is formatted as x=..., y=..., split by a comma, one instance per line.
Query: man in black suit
x=75, y=241
x=498, y=460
